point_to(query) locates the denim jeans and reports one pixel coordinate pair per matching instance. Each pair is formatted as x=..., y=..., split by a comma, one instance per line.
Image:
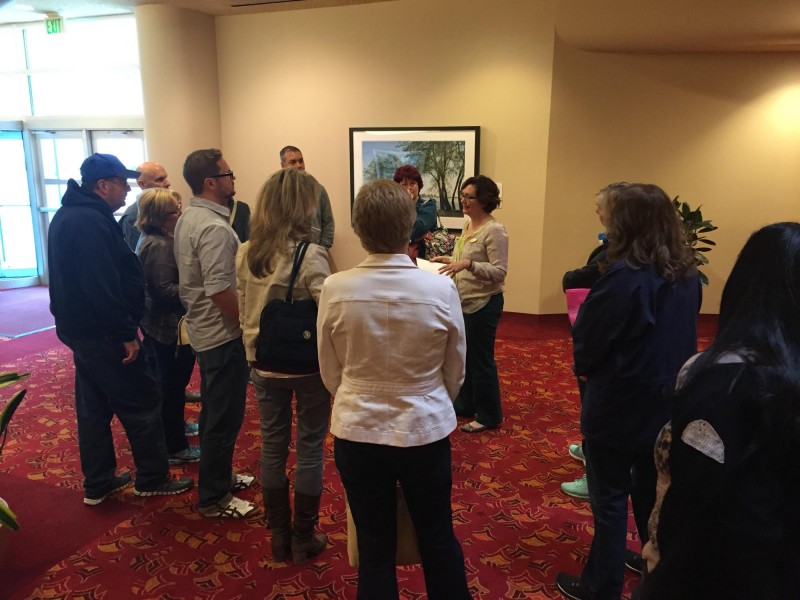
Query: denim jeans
x=480, y=392
x=104, y=387
x=174, y=372
x=313, y=410
x=370, y=473
x=223, y=387
x=613, y=475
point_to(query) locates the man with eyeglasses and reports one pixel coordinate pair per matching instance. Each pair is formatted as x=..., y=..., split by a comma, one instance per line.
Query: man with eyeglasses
x=97, y=299
x=151, y=175
x=292, y=158
x=205, y=250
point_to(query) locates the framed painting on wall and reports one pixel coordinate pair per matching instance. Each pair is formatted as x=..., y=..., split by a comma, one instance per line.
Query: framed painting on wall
x=444, y=156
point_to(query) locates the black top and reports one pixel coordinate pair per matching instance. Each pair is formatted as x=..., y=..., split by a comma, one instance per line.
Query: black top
x=739, y=514
x=96, y=282
x=241, y=219
x=586, y=277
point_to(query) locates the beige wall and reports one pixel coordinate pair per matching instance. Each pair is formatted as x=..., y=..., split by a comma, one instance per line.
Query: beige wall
x=178, y=54
x=721, y=130
x=306, y=77
x=718, y=130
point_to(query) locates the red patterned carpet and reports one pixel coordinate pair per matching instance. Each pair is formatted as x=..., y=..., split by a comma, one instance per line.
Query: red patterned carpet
x=516, y=528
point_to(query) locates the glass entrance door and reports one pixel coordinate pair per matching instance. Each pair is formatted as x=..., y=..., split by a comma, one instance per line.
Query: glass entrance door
x=17, y=237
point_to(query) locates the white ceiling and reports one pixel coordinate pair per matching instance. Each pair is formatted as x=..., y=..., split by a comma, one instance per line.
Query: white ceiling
x=604, y=25
x=73, y=9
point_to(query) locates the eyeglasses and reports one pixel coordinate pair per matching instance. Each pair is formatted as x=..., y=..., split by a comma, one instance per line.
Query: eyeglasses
x=228, y=174
x=466, y=197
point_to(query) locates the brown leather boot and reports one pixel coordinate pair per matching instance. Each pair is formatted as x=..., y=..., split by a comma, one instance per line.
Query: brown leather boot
x=279, y=521
x=305, y=542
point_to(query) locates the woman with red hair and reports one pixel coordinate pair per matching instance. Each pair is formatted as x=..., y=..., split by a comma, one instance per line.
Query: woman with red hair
x=411, y=181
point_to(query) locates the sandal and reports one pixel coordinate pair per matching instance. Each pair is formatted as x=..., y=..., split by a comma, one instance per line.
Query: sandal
x=470, y=428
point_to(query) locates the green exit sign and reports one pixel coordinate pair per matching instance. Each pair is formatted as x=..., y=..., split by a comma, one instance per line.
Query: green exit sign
x=54, y=25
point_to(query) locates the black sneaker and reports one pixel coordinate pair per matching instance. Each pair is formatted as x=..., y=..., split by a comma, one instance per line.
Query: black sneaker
x=171, y=486
x=634, y=561
x=570, y=586
x=120, y=482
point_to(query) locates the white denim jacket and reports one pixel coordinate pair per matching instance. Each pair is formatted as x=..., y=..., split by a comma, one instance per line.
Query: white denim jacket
x=392, y=351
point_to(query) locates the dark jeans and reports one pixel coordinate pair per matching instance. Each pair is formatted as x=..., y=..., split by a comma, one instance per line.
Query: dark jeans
x=104, y=387
x=174, y=372
x=613, y=475
x=313, y=409
x=223, y=386
x=480, y=393
x=370, y=473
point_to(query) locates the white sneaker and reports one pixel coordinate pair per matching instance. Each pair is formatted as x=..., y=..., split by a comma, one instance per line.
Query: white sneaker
x=235, y=509
x=241, y=482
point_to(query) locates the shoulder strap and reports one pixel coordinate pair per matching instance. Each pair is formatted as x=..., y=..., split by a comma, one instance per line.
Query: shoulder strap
x=299, y=255
x=233, y=211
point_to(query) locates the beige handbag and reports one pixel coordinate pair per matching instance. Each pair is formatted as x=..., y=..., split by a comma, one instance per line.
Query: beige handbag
x=183, y=335
x=407, y=545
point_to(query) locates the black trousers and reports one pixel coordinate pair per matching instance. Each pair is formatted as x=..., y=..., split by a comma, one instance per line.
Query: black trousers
x=370, y=473
x=613, y=475
x=174, y=366
x=223, y=386
x=104, y=387
x=480, y=392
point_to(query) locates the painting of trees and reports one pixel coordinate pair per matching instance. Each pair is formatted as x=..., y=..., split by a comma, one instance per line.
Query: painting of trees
x=444, y=162
x=444, y=156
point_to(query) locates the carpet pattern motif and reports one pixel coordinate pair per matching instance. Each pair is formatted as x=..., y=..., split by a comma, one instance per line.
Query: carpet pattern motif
x=516, y=527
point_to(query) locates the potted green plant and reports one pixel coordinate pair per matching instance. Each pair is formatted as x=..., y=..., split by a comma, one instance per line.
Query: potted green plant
x=8, y=520
x=696, y=227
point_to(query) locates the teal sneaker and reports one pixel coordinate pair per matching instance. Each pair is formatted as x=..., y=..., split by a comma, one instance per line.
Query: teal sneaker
x=577, y=489
x=190, y=455
x=576, y=452
x=191, y=429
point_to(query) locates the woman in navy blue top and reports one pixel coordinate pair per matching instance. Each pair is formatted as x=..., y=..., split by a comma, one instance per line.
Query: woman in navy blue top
x=632, y=335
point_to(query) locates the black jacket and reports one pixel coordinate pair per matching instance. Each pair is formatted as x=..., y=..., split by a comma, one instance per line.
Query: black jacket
x=632, y=335
x=96, y=282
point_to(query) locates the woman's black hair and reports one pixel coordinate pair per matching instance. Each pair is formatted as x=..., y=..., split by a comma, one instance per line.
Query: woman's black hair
x=759, y=320
x=760, y=307
x=488, y=194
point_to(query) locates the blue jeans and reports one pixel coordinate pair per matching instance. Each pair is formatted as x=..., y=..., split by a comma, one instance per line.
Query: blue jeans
x=313, y=410
x=480, y=392
x=370, y=473
x=613, y=475
x=104, y=387
x=174, y=367
x=223, y=387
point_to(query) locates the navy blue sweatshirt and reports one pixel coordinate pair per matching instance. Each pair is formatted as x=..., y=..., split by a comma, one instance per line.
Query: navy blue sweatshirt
x=96, y=282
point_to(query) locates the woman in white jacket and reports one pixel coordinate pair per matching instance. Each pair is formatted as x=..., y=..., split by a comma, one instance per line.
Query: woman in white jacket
x=392, y=352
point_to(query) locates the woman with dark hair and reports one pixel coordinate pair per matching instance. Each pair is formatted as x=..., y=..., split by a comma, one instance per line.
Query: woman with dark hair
x=636, y=328
x=393, y=410
x=479, y=265
x=731, y=451
x=159, y=209
x=282, y=218
x=411, y=181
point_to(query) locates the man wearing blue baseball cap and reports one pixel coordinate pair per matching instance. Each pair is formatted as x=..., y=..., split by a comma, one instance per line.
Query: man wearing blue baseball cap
x=97, y=299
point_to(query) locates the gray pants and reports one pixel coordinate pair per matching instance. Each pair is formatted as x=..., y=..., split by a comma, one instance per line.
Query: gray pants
x=313, y=411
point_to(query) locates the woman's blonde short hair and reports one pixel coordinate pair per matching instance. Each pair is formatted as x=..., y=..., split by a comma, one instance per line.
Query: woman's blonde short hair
x=383, y=215
x=155, y=206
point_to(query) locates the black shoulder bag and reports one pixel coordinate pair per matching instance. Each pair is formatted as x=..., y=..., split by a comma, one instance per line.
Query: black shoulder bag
x=287, y=333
